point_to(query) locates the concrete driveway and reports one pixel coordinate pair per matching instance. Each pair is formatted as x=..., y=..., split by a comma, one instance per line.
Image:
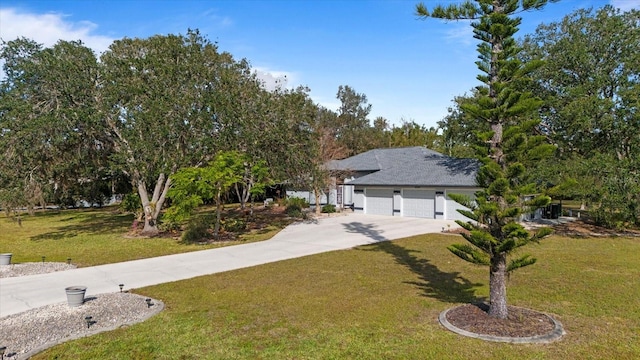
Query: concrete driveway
x=339, y=232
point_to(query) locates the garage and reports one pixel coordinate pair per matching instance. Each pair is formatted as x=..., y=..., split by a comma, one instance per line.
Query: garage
x=418, y=203
x=379, y=201
x=410, y=181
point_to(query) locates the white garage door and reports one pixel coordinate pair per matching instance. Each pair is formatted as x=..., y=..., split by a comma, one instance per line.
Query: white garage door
x=379, y=201
x=418, y=203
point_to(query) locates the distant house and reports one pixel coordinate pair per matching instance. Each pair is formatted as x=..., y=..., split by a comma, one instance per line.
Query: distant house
x=410, y=181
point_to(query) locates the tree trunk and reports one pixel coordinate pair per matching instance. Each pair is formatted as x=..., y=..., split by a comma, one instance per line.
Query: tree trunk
x=247, y=194
x=240, y=197
x=247, y=186
x=317, y=194
x=216, y=226
x=151, y=208
x=497, y=153
x=498, y=267
x=498, y=286
x=244, y=192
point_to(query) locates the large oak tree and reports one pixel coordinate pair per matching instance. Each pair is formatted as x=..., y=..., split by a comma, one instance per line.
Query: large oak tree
x=163, y=100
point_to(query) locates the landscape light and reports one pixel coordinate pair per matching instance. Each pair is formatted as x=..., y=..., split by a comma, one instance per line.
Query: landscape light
x=121, y=286
x=68, y=261
x=148, y=302
x=2, y=350
x=43, y=259
x=88, y=320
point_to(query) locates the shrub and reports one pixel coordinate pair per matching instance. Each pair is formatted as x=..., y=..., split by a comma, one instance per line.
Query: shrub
x=300, y=202
x=329, y=208
x=233, y=225
x=131, y=204
x=294, y=210
x=197, y=230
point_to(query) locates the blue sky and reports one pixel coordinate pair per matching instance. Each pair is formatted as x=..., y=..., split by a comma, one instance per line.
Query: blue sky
x=409, y=69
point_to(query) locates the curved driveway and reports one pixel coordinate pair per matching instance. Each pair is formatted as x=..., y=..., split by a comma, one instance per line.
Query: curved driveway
x=19, y=294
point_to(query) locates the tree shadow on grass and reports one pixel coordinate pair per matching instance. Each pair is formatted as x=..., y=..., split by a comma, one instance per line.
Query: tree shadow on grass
x=434, y=283
x=89, y=222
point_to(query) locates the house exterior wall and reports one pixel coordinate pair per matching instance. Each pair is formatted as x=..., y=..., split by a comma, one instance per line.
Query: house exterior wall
x=358, y=199
x=533, y=215
x=347, y=195
x=451, y=211
x=397, y=202
x=332, y=197
x=425, y=202
x=307, y=195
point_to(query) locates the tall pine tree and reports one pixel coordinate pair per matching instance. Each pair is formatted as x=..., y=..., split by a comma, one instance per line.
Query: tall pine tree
x=506, y=150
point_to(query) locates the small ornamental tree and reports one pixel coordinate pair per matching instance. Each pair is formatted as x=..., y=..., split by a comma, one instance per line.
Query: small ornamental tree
x=506, y=150
x=191, y=186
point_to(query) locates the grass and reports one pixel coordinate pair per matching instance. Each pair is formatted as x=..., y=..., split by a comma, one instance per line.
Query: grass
x=382, y=302
x=92, y=237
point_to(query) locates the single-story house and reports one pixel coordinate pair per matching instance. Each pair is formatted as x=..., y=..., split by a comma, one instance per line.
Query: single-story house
x=409, y=181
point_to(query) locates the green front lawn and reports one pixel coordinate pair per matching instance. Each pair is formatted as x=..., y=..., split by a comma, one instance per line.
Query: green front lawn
x=96, y=236
x=382, y=302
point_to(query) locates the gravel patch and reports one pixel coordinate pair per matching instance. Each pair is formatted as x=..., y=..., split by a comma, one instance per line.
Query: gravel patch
x=30, y=332
x=33, y=268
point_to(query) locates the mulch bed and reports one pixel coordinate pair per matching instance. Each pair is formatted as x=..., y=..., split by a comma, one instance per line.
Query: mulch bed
x=581, y=228
x=520, y=322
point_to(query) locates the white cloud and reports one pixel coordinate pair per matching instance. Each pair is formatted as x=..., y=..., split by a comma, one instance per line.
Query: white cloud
x=217, y=20
x=461, y=31
x=273, y=79
x=626, y=5
x=48, y=28
x=332, y=104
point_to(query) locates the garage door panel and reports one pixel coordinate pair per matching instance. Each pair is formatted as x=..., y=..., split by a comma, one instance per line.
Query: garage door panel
x=418, y=203
x=379, y=201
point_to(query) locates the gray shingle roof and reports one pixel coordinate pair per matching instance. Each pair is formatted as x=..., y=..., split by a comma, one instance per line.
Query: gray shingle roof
x=379, y=159
x=409, y=166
